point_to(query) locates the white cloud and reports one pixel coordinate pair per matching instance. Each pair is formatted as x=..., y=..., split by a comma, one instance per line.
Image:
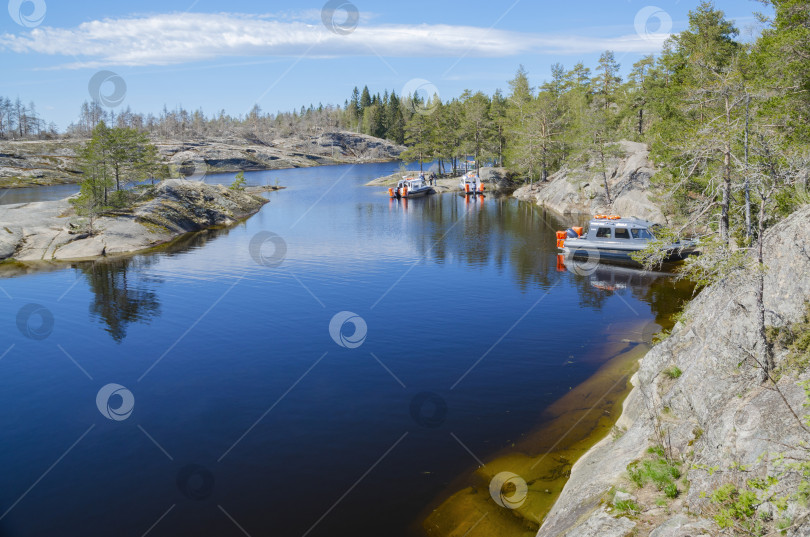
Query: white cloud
x=177, y=38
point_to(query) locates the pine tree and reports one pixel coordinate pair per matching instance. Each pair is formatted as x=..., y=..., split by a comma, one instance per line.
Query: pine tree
x=476, y=123
x=395, y=130
x=607, y=79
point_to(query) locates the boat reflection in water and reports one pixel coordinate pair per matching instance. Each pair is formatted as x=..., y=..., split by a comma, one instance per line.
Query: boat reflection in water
x=609, y=277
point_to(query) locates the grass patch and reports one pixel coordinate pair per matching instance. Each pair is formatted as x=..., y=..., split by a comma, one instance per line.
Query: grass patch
x=673, y=372
x=658, y=471
x=626, y=507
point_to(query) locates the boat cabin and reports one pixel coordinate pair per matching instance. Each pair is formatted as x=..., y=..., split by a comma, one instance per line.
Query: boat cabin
x=617, y=238
x=619, y=229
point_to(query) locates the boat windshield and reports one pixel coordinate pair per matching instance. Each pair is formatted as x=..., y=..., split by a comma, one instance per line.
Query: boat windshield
x=641, y=233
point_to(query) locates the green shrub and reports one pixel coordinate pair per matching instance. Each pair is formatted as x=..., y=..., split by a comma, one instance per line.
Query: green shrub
x=658, y=450
x=239, y=182
x=736, y=506
x=796, y=339
x=627, y=507
x=659, y=472
x=673, y=372
x=121, y=199
x=783, y=524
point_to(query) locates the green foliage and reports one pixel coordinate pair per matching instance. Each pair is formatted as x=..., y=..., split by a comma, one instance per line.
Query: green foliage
x=795, y=338
x=658, y=450
x=662, y=473
x=673, y=372
x=110, y=160
x=239, y=182
x=737, y=507
x=626, y=507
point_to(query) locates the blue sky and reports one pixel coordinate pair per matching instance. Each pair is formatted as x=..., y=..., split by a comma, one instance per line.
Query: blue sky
x=216, y=55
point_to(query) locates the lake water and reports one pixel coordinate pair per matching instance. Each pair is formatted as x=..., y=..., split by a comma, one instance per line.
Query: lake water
x=199, y=390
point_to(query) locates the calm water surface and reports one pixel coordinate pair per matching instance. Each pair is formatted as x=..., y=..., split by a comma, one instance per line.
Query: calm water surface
x=247, y=416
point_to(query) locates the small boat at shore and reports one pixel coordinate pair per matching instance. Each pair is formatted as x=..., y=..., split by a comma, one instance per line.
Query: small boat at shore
x=471, y=184
x=613, y=238
x=411, y=187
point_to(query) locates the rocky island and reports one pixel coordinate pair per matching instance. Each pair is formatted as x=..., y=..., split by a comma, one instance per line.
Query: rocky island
x=47, y=231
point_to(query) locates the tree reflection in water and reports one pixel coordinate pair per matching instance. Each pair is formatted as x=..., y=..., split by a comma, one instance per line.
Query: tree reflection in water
x=120, y=300
x=520, y=237
x=124, y=293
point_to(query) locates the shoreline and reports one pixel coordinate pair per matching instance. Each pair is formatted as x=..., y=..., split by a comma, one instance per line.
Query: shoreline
x=497, y=181
x=31, y=163
x=568, y=429
x=50, y=231
x=219, y=171
x=702, y=409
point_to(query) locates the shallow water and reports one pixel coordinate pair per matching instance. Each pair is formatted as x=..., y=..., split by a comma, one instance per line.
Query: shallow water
x=248, y=413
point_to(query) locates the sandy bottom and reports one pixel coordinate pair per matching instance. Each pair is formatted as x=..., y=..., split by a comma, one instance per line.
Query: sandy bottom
x=543, y=460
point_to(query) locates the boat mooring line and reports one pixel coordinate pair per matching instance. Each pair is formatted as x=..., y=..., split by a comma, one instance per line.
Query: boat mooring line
x=504, y=336
x=272, y=406
x=384, y=455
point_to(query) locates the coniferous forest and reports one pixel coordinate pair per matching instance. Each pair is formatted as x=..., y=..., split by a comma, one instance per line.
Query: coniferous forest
x=726, y=119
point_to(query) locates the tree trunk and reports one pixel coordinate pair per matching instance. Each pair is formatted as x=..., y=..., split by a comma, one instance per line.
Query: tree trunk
x=748, y=229
x=766, y=354
x=725, y=231
x=604, y=174
x=724, y=208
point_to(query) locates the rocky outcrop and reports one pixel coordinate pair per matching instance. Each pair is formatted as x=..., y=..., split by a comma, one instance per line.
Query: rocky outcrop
x=582, y=191
x=229, y=155
x=47, y=231
x=720, y=420
x=41, y=162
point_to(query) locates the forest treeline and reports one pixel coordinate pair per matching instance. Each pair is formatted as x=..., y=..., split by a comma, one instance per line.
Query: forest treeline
x=711, y=106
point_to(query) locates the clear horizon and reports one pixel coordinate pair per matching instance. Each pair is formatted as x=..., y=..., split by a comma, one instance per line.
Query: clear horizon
x=213, y=56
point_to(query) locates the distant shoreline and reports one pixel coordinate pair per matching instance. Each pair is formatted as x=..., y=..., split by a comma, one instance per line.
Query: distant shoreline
x=32, y=163
x=49, y=231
